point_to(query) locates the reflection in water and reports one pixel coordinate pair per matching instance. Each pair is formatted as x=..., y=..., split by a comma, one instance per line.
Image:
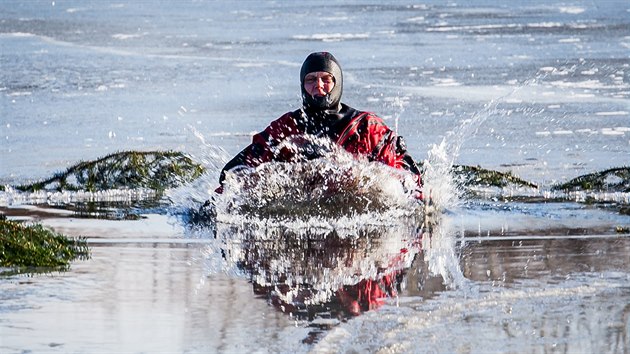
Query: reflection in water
x=320, y=275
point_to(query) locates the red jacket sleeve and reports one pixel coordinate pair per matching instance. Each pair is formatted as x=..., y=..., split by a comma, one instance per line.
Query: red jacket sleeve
x=261, y=148
x=373, y=139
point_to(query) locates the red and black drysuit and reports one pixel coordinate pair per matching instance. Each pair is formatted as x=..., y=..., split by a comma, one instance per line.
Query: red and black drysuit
x=360, y=133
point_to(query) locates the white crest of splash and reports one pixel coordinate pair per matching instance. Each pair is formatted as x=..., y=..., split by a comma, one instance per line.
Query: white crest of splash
x=333, y=184
x=212, y=158
x=440, y=248
x=442, y=193
x=439, y=187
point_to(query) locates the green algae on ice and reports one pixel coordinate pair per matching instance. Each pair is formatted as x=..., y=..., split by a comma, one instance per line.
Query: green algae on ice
x=477, y=176
x=610, y=180
x=155, y=170
x=35, y=247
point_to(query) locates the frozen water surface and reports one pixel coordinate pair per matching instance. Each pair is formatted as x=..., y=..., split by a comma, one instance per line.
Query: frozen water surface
x=538, y=88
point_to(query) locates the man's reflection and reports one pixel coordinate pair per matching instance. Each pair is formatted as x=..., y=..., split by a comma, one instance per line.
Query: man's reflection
x=369, y=294
x=313, y=274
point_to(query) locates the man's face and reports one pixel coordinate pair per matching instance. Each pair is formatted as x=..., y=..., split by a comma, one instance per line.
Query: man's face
x=319, y=83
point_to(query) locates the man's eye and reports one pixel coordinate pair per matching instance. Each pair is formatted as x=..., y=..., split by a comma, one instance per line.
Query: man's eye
x=325, y=80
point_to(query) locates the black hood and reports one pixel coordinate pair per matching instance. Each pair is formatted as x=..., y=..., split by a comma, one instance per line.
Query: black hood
x=322, y=61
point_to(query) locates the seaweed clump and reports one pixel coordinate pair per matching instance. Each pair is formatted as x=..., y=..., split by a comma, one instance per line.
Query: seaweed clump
x=33, y=246
x=477, y=176
x=610, y=180
x=155, y=170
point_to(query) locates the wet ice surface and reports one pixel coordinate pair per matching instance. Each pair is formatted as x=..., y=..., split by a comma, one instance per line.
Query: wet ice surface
x=540, y=89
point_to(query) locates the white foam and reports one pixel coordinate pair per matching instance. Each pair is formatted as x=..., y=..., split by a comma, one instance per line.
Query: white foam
x=18, y=34
x=251, y=65
x=416, y=19
x=562, y=132
x=126, y=36
x=569, y=40
x=445, y=82
x=573, y=10
x=444, y=28
x=20, y=93
x=545, y=24
x=612, y=113
x=333, y=18
x=332, y=37
x=586, y=84
x=524, y=93
x=611, y=131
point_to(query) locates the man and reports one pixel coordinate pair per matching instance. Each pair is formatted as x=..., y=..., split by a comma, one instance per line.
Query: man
x=323, y=115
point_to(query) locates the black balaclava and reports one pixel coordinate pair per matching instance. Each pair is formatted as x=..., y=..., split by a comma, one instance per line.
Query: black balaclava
x=322, y=61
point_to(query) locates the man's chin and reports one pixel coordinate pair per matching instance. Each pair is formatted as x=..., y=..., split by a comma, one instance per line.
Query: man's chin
x=319, y=102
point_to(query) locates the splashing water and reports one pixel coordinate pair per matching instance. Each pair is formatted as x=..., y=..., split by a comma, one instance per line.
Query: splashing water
x=322, y=185
x=440, y=249
x=443, y=194
x=331, y=186
x=213, y=158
